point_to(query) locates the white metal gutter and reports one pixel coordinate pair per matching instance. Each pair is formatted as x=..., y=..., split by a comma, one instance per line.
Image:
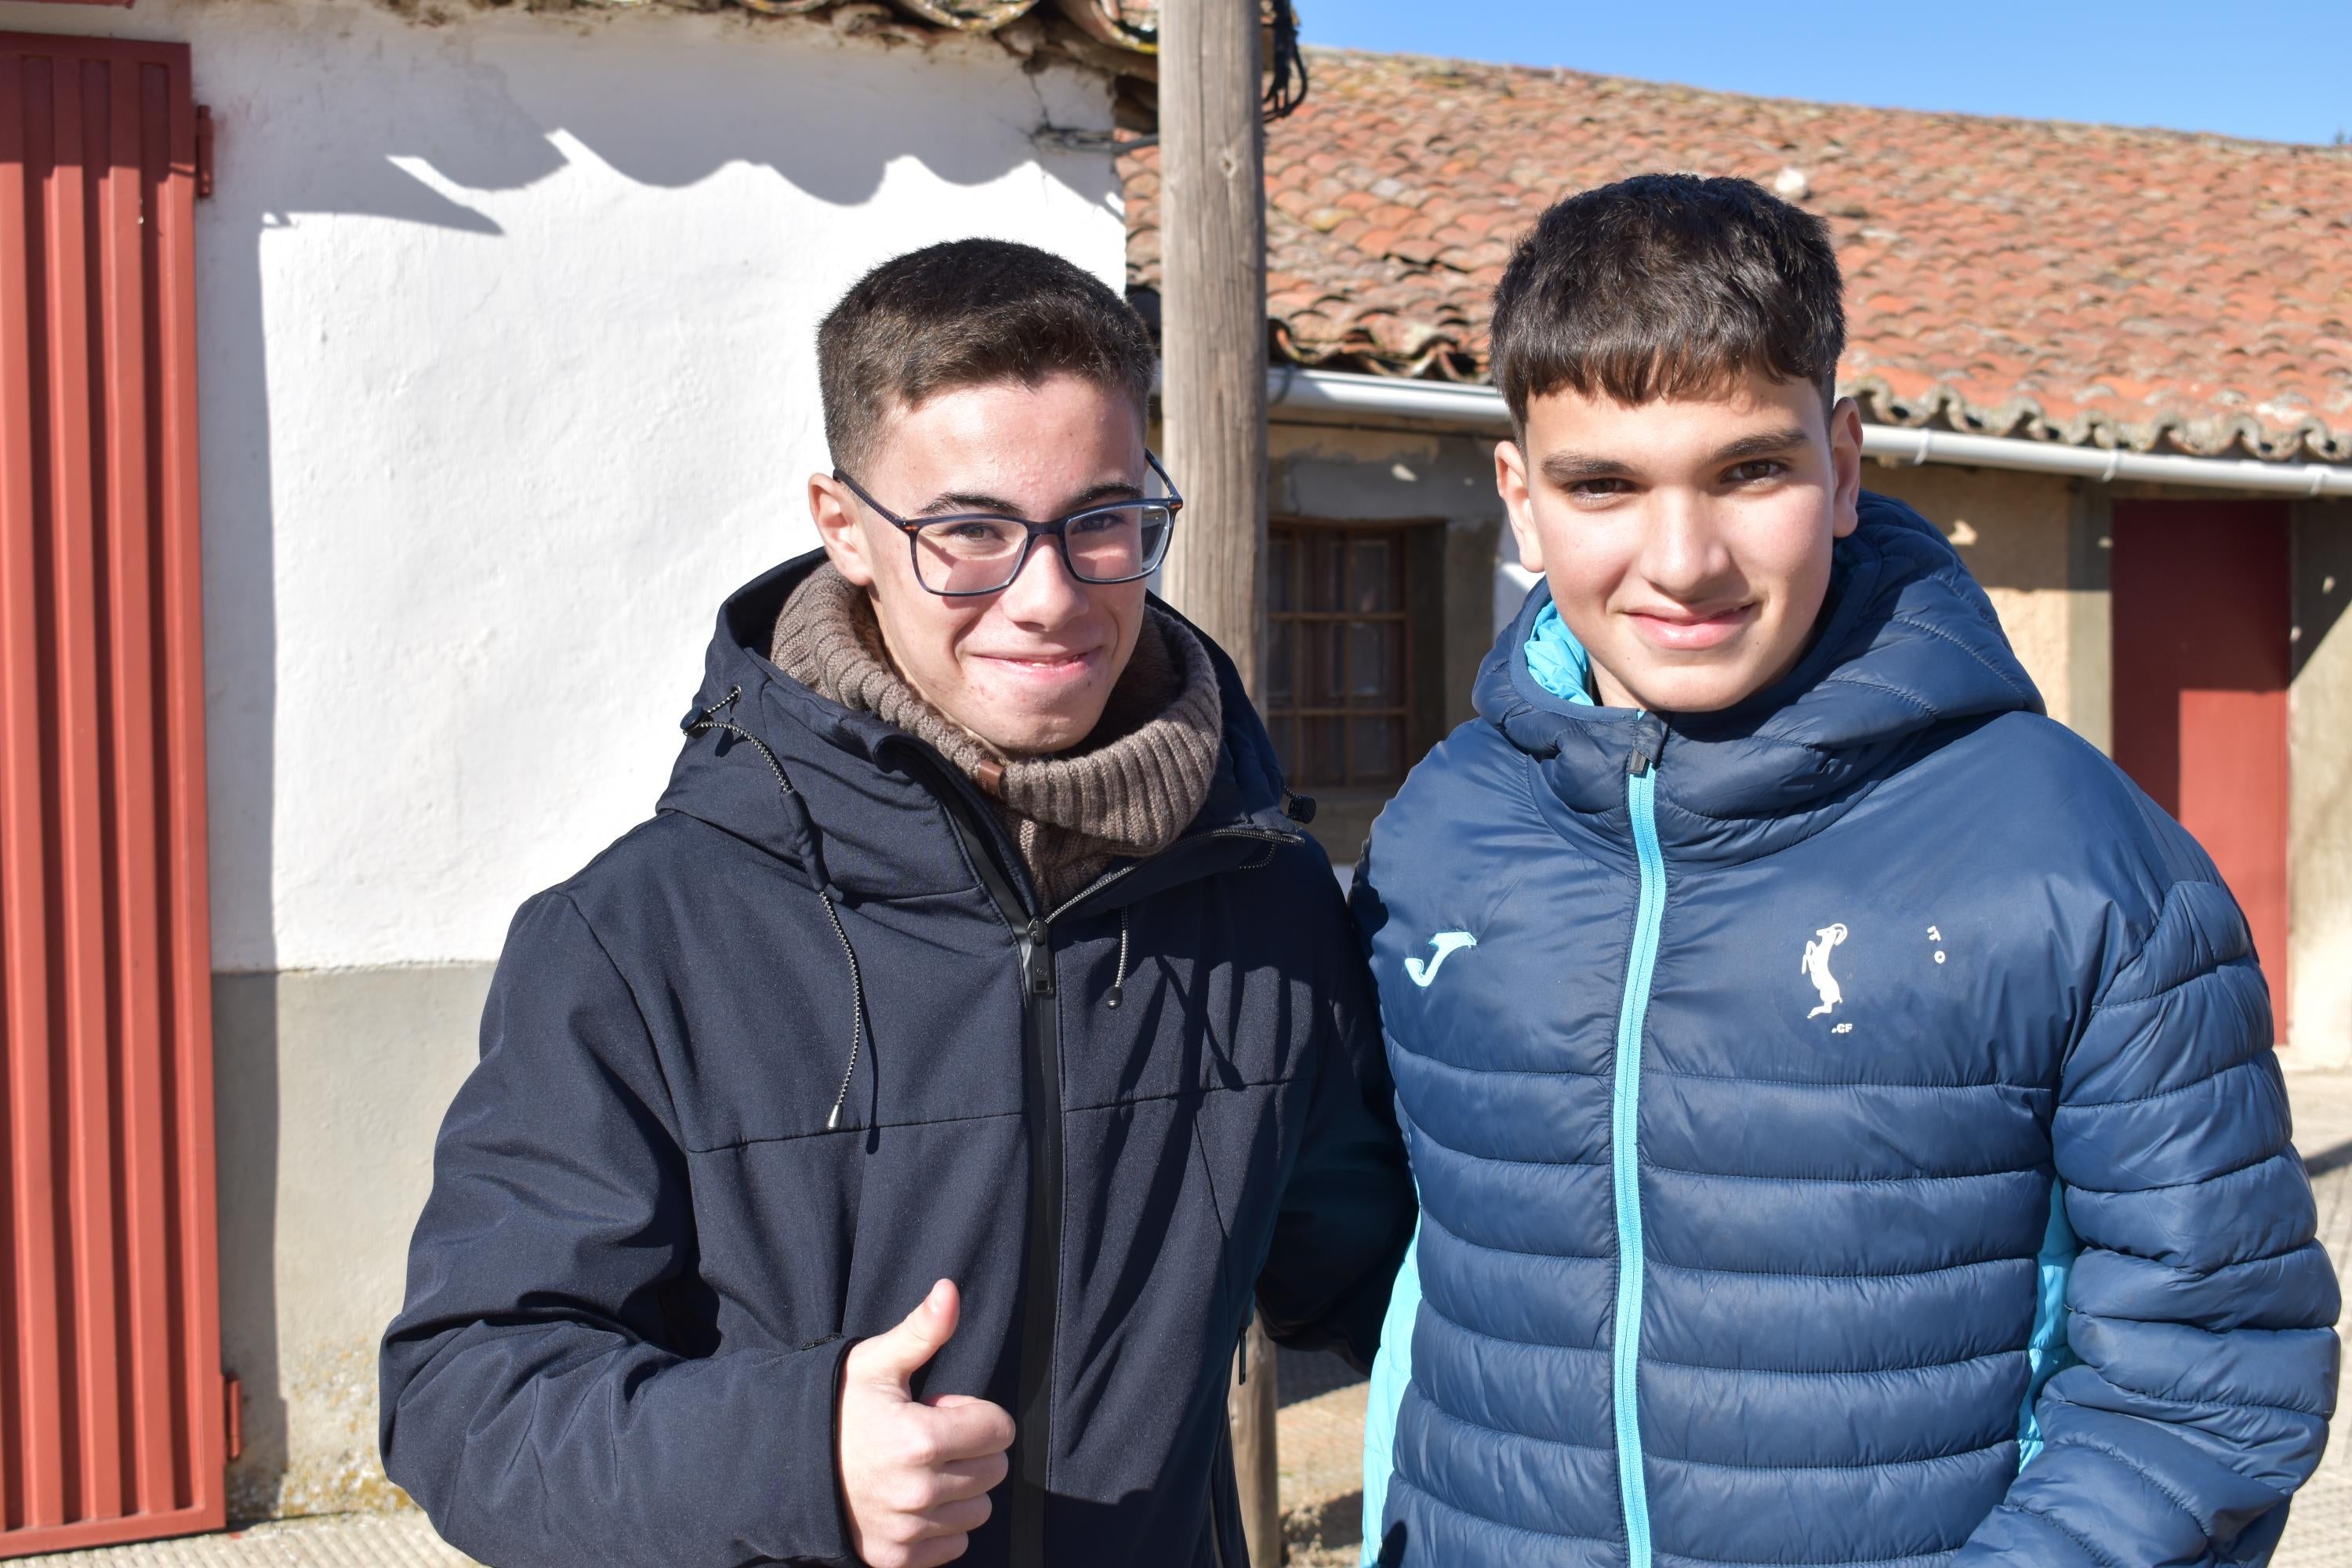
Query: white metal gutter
x=1326, y=396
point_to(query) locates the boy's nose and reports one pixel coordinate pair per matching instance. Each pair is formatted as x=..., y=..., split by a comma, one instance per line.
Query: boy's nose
x=1045, y=593
x=1683, y=553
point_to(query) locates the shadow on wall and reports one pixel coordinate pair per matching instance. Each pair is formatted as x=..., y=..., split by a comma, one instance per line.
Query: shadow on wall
x=334, y=1084
x=502, y=103
x=244, y=1067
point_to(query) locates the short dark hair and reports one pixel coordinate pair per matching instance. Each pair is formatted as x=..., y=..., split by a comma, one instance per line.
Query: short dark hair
x=1668, y=286
x=965, y=312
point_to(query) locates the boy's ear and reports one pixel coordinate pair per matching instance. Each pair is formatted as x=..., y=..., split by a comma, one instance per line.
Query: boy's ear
x=1845, y=464
x=835, y=511
x=1511, y=484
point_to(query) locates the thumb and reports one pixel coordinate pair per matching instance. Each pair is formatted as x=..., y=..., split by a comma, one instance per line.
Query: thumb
x=895, y=1357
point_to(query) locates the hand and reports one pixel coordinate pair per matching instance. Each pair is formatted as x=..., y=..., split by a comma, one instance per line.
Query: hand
x=914, y=1474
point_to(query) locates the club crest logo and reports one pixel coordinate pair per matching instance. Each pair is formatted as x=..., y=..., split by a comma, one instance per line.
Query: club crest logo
x=1816, y=967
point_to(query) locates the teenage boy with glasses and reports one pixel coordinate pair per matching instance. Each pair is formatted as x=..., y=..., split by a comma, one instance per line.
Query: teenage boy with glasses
x=973, y=963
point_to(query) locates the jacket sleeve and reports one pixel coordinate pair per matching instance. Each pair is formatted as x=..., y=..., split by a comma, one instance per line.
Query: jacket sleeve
x=1348, y=1212
x=2198, y=1371
x=531, y=1401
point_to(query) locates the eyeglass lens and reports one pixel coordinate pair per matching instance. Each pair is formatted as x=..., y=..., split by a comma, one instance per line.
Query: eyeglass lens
x=980, y=555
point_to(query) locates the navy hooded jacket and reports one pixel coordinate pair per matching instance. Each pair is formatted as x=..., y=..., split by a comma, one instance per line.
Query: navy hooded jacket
x=649, y=1245
x=1846, y=1126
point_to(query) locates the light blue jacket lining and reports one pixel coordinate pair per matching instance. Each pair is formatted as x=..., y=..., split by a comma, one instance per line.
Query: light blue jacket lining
x=1557, y=661
x=2046, y=1353
x=1392, y=1371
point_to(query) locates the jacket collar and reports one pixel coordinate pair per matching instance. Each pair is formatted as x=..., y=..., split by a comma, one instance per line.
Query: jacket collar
x=859, y=786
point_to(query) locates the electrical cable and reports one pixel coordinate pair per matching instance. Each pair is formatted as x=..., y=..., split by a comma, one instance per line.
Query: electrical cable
x=1287, y=88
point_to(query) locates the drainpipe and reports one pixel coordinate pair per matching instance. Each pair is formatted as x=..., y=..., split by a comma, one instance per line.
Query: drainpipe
x=1325, y=396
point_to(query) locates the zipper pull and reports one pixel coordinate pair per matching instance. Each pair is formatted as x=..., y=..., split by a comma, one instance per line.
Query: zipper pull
x=1041, y=961
x=1648, y=741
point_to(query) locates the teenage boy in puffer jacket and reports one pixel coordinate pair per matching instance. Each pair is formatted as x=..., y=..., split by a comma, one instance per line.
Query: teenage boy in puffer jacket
x=1842, y=1105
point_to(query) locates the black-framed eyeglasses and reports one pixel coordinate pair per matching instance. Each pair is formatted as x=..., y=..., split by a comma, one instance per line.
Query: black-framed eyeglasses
x=975, y=553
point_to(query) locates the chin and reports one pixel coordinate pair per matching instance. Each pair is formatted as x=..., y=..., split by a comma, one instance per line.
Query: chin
x=1042, y=734
x=1694, y=692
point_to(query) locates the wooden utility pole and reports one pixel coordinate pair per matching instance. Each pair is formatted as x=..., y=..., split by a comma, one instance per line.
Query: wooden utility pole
x=1212, y=404
x=1250, y=1408
x=1213, y=319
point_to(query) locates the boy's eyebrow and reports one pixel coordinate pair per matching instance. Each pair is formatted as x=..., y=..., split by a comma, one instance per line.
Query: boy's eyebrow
x=1763, y=444
x=1097, y=494
x=1567, y=467
x=965, y=501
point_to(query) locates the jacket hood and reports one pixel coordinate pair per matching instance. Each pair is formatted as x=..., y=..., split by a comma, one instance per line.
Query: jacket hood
x=1907, y=643
x=839, y=813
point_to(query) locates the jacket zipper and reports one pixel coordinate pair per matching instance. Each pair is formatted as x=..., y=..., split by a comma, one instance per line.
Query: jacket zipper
x=1640, y=800
x=1042, y=1090
x=1041, y=1272
x=1041, y=1056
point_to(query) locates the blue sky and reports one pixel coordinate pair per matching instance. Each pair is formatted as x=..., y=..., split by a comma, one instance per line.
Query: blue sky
x=2278, y=71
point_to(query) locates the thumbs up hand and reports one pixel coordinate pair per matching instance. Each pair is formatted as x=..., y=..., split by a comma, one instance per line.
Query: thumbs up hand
x=914, y=1474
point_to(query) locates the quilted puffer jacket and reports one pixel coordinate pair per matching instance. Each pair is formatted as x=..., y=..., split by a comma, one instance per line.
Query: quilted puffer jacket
x=1846, y=1126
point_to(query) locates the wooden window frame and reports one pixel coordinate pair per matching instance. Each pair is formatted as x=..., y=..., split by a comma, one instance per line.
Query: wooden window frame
x=1419, y=556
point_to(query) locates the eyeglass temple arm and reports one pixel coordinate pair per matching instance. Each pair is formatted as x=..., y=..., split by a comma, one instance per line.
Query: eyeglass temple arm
x=1175, y=501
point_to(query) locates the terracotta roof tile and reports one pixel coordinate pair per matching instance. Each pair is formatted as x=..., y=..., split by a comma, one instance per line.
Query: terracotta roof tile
x=2078, y=283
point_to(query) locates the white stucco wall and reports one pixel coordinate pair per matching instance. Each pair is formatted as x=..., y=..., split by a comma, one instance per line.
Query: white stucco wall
x=508, y=376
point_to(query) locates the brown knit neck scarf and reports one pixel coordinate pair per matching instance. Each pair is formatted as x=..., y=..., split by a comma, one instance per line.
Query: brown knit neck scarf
x=1127, y=789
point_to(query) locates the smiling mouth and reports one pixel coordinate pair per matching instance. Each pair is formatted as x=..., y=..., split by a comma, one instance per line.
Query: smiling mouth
x=1045, y=664
x=1689, y=632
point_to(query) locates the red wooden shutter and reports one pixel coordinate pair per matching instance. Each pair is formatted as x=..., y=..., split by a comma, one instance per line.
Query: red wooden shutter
x=2204, y=604
x=111, y=1396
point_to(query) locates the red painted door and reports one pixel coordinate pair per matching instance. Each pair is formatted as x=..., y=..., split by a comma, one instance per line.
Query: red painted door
x=110, y=1395
x=2202, y=606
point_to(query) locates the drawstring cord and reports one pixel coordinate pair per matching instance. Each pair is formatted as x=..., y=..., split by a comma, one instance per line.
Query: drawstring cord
x=709, y=719
x=857, y=1011
x=1119, y=981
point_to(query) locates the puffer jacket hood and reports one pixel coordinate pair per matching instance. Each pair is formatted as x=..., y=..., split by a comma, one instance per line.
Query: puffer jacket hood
x=832, y=799
x=1846, y=1128
x=1907, y=643
x=803, y=1044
